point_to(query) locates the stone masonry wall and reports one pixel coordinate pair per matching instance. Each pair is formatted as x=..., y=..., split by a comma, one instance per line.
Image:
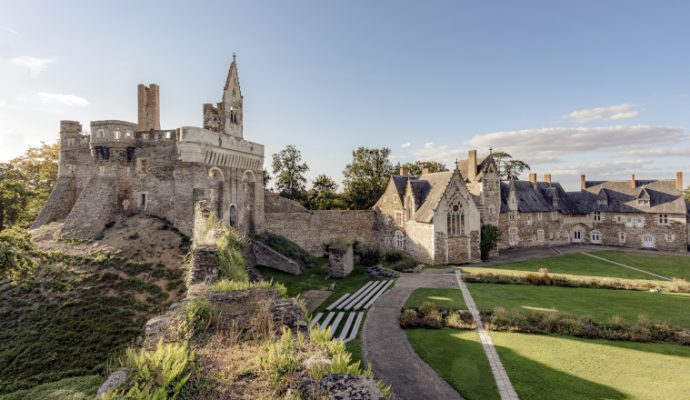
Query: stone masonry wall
x=311, y=229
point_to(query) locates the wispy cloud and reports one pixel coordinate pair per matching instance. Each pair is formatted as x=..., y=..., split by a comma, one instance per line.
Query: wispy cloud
x=549, y=141
x=669, y=152
x=442, y=153
x=10, y=30
x=610, y=113
x=35, y=65
x=3, y=102
x=64, y=99
x=406, y=145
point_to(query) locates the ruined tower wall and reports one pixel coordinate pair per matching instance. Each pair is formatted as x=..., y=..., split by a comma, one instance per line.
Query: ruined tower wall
x=148, y=107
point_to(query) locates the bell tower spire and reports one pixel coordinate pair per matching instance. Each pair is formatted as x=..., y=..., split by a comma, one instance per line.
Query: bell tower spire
x=232, y=102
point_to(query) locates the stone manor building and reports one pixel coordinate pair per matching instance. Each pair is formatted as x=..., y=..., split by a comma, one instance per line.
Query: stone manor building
x=122, y=167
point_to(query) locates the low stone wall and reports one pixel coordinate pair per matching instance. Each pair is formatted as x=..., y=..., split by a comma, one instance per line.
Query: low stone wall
x=312, y=229
x=204, y=267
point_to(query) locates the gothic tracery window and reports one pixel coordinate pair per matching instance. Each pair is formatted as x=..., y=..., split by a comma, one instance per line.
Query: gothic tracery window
x=456, y=219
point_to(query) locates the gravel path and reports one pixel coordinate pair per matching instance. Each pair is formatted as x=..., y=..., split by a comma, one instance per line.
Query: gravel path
x=385, y=345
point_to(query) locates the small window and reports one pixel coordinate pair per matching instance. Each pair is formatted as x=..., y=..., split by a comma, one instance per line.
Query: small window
x=142, y=166
x=144, y=136
x=540, y=235
x=117, y=135
x=643, y=203
x=621, y=237
x=168, y=135
x=539, y=216
x=669, y=237
x=597, y=216
x=550, y=235
x=577, y=236
x=128, y=134
x=529, y=220
x=398, y=217
x=399, y=240
x=142, y=201
x=99, y=133
x=595, y=237
x=512, y=215
x=663, y=219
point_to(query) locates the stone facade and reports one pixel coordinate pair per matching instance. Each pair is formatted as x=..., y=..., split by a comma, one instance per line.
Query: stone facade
x=340, y=261
x=122, y=167
x=638, y=214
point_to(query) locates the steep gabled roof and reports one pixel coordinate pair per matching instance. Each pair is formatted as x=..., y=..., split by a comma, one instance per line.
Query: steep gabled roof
x=437, y=184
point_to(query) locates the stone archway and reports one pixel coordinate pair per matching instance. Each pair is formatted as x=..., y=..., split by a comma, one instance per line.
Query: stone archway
x=232, y=216
x=249, y=189
x=216, y=189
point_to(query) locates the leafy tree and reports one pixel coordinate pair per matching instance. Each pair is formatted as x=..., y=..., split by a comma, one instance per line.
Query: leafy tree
x=686, y=193
x=267, y=178
x=323, y=194
x=289, y=170
x=417, y=167
x=16, y=250
x=509, y=169
x=366, y=177
x=15, y=195
x=489, y=240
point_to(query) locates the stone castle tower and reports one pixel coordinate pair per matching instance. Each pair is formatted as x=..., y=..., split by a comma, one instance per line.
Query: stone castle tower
x=121, y=168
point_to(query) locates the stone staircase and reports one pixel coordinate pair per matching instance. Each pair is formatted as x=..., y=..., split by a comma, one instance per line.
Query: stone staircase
x=59, y=203
x=92, y=210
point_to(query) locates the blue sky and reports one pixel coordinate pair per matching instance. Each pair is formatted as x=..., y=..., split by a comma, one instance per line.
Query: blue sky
x=594, y=87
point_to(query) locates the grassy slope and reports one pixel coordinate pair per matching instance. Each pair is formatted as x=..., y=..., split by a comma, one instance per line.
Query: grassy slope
x=598, y=303
x=442, y=298
x=555, y=367
x=458, y=357
x=670, y=266
x=79, y=388
x=575, y=264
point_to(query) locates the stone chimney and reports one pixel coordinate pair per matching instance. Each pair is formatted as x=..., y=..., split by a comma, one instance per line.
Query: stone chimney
x=472, y=165
x=583, y=182
x=547, y=178
x=679, y=181
x=633, y=182
x=404, y=171
x=533, y=179
x=425, y=170
x=149, y=107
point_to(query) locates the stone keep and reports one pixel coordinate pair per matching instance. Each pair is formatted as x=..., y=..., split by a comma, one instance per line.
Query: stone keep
x=123, y=167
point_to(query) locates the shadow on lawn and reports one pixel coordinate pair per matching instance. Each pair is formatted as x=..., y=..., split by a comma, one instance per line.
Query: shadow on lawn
x=664, y=348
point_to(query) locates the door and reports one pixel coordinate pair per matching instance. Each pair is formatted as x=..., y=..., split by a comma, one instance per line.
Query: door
x=595, y=237
x=648, y=241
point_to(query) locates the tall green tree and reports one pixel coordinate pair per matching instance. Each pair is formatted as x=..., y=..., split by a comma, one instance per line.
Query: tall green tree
x=416, y=168
x=289, y=170
x=266, y=178
x=39, y=167
x=15, y=195
x=508, y=168
x=323, y=194
x=366, y=176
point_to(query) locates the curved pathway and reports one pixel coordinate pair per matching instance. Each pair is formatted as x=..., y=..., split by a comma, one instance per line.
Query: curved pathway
x=385, y=345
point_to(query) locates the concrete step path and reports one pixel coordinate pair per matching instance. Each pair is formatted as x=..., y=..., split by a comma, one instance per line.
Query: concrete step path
x=385, y=345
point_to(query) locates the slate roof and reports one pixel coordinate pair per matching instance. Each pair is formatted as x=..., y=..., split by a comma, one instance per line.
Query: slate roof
x=605, y=196
x=437, y=183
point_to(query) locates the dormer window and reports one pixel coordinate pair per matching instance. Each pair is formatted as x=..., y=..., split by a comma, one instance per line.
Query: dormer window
x=643, y=202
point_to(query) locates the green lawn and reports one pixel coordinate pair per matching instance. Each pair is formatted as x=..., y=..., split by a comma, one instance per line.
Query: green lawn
x=576, y=264
x=670, y=266
x=598, y=303
x=545, y=367
x=317, y=278
x=459, y=358
x=443, y=298
x=78, y=388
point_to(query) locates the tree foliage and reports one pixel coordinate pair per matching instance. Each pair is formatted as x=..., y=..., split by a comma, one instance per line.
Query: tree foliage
x=366, y=176
x=417, y=167
x=26, y=183
x=289, y=170
x=323, y=194
x=508, y=168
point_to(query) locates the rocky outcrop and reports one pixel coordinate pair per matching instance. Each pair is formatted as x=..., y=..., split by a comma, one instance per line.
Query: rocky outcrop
x=92, y=210
x=340, y=261
x=259, y=253
x=377, y=271
x=287, y=312
x=115, y=380
x=345, y=387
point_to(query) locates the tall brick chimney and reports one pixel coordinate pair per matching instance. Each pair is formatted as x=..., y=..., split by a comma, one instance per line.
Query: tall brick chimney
x=583, y=182
x=679, y=181
x=472, y=165
x=633, y=182
x=404, y=171
x=149, y=107
x=547, y=178
x=533, y=179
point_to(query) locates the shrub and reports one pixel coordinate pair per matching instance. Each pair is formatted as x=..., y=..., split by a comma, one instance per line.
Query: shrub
x=199, y=315
x=226, y=285
x=392, y=256
x=369, y=254
x=162, y=373
x=16, y=251
x=489, y=240
x=409, y=318
x=229, y=255
x=433, y=319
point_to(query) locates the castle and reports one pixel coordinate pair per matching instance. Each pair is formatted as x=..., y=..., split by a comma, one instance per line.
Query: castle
x=124, y=168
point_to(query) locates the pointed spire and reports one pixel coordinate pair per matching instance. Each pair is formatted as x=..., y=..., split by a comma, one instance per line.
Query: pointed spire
x=233, y=78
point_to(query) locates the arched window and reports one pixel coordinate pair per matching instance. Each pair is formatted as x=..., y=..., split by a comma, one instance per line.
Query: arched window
x=399, y=240
x=456, y=219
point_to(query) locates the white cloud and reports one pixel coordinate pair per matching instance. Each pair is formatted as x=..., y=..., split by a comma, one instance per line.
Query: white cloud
x=442, y=153
x=610, y=113
x=3, y=103
x=64, y=99
x=406, y=145
x=544, y=142
x=35, y=65
x=10, y=30
x=669, y=152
